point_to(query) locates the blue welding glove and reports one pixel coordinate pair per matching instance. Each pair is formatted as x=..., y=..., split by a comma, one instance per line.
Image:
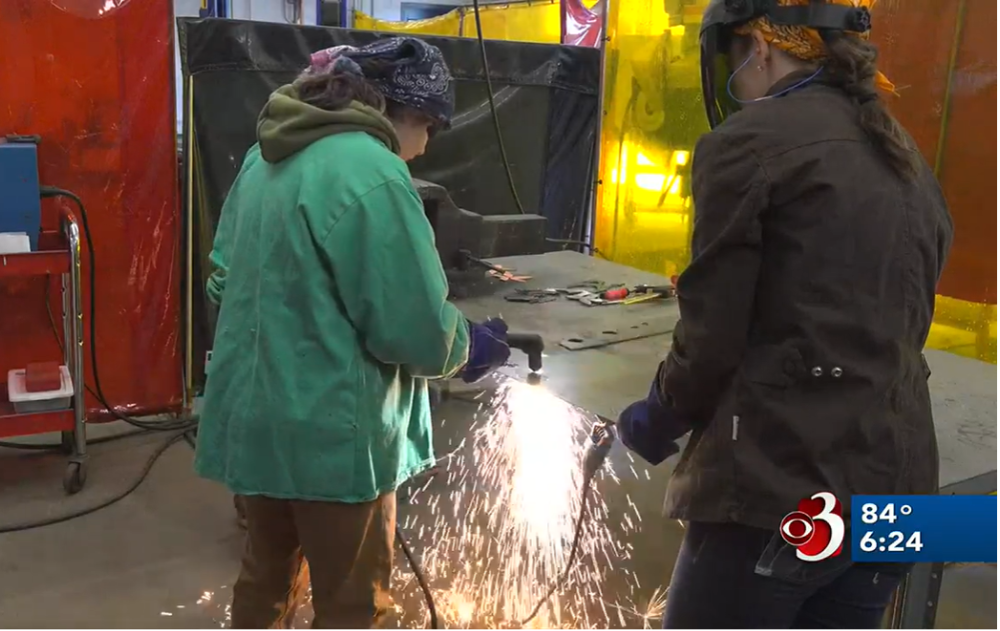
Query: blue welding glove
x=650, y=428
x=488, y=349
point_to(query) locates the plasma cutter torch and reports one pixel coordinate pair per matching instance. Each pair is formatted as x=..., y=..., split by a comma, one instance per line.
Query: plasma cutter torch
x=532, y=345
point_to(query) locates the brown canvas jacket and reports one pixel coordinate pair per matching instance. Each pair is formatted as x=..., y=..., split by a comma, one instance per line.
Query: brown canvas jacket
x=804, y=314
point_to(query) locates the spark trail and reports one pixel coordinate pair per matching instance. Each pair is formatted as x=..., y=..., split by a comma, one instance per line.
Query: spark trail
x=493, y=528
x=500, y=528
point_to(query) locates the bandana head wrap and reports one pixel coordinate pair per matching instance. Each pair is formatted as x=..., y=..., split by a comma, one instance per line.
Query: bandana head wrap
x=412, y=73
x=806, y=43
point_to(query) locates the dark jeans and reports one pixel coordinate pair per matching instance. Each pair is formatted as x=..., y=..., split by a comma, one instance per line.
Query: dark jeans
x=738, y=577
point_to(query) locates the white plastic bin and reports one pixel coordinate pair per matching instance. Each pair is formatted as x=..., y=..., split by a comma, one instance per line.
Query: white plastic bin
x=51, y=400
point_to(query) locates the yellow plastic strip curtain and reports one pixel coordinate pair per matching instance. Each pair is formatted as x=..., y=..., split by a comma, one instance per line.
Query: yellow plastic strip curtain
x=523, y=22
x=654, y=116
x=447, y=25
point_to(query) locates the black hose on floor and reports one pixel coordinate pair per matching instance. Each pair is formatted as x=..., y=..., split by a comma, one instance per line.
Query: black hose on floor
x=421, y=579
x=574, y=550
x=59, y=446
x=51, y=521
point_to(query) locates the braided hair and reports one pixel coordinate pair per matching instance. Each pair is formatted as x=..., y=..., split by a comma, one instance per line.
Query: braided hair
x=850, y=65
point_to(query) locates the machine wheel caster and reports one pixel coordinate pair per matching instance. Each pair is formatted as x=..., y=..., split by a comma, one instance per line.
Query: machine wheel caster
x=74, y=478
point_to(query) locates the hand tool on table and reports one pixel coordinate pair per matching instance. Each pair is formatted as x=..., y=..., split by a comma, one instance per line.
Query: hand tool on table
x=496, y=271
x=574, y=292
x=594, y=293
x=644, y=293
x=533, y=296
x=624, y=296
x=665, y=291
x=608, y=297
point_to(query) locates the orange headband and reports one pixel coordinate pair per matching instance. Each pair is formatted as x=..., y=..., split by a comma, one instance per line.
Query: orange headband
x=806, y=43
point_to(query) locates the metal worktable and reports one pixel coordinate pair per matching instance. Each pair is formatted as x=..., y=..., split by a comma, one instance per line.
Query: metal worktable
x=604, y=380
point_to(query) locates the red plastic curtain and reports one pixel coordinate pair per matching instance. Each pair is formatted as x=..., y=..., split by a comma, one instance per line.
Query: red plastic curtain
x=582, y=26
x=94, y=79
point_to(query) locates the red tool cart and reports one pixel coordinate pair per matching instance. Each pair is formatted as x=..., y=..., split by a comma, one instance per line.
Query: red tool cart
x=58, y=253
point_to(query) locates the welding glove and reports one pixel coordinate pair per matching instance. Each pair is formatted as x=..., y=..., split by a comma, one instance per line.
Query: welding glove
x=650, y=427
x=488, y=349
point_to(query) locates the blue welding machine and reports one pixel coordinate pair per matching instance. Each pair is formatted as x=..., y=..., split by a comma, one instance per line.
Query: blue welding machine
x=20, y=204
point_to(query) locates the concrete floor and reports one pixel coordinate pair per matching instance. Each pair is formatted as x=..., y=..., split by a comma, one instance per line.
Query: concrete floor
x=166, y=556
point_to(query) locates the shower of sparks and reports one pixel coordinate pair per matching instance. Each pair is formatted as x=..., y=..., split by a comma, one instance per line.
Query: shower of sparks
x=493, y=528
x=650, y=613
x=497, y=535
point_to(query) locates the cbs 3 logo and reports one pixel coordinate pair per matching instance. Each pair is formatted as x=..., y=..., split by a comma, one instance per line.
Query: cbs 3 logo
x=816, y=530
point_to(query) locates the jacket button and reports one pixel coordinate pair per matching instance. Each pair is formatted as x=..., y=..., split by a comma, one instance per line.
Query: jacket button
x=817, y=371
x=837, y=371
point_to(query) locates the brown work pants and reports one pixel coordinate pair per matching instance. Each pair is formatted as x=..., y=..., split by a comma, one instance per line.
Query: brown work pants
x=344, y=550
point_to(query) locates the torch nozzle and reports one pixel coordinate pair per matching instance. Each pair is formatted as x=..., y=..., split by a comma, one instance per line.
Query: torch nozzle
x=532, y=345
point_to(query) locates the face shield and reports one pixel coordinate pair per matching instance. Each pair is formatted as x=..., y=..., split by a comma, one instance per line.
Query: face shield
x=720, y=20
x=717, y=24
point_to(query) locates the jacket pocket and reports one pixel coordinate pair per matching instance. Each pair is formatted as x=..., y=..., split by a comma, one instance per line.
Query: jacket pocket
x=773, y=365
x=779, y=561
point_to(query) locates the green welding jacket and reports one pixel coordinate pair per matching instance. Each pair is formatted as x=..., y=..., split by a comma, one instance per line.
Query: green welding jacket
x=333, y=316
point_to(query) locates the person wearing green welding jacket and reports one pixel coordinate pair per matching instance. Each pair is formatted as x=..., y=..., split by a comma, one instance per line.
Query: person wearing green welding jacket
x=333, y=316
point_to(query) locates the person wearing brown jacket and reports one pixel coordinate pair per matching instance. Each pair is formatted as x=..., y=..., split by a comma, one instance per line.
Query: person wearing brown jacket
x=797, y=367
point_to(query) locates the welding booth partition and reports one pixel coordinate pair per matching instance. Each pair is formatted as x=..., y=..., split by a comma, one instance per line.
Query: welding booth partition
x=547, y=107
x=941, y=54
x=94, y=81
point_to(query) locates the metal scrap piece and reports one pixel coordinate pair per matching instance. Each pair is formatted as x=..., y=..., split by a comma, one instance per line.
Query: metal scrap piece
x=607, y=338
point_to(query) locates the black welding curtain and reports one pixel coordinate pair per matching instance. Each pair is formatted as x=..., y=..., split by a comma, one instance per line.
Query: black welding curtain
x=546, y=98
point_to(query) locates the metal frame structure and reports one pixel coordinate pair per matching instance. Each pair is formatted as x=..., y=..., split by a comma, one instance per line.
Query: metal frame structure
x=590, y=224
x=58, y=253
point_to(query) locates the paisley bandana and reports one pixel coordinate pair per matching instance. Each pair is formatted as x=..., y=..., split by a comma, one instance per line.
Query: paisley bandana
x=333, y=60
x=415, y=74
